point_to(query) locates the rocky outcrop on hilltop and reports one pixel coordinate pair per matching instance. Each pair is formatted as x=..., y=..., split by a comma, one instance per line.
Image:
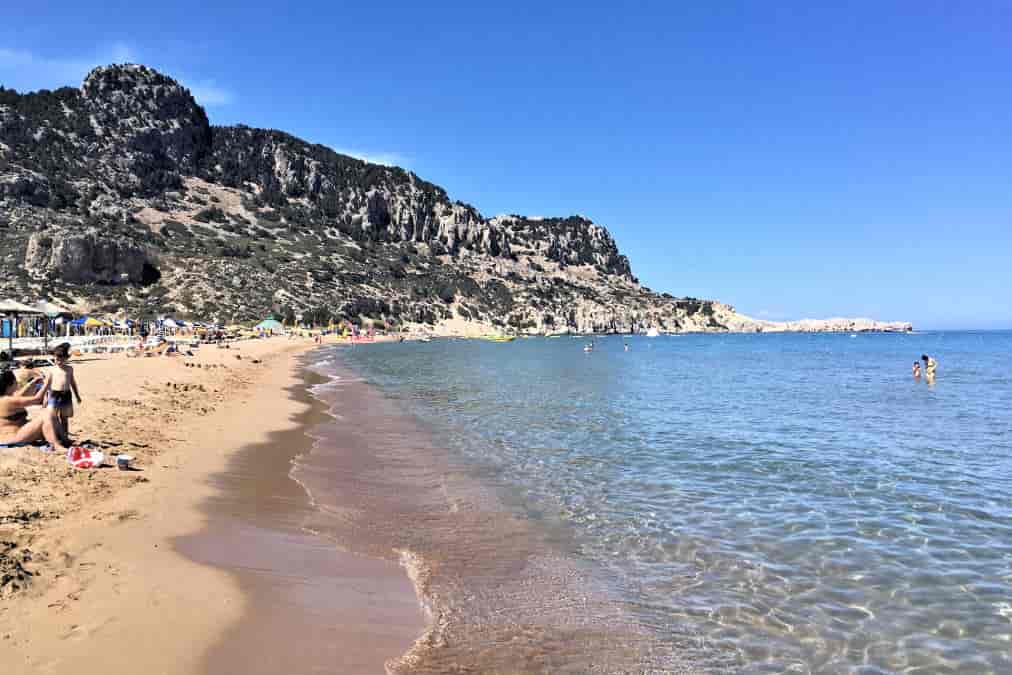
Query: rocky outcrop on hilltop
x=365, y=202
x=120, y=196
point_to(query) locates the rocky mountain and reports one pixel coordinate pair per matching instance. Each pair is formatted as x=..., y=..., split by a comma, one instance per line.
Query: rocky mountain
x=121, y=197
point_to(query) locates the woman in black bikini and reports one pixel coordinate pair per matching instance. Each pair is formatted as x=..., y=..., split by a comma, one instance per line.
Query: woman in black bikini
x=15, y=427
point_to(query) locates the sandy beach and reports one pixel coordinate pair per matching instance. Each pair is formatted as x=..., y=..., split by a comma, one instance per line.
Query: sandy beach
x=94, y=581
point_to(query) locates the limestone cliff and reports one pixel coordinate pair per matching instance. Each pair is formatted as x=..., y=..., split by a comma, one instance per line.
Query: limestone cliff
x=87, y=257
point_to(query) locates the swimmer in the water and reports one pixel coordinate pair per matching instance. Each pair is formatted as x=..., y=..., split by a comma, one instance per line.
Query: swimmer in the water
x=929, y=367
x=917, y=370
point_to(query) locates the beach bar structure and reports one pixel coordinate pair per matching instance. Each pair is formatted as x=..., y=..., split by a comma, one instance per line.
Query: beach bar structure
x=11, y=311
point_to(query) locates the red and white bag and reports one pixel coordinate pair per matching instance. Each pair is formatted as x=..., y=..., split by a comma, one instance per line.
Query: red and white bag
x=84, y=458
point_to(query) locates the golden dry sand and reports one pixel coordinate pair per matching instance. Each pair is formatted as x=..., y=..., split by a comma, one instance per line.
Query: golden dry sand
x=91, y=581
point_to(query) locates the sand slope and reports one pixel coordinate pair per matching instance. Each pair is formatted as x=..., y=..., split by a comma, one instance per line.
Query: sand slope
x=107, y=593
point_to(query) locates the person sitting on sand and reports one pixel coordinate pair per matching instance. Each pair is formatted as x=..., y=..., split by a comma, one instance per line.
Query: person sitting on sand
x=917, y=370
x=62, y=387
x=15, y=427
x=929, y=367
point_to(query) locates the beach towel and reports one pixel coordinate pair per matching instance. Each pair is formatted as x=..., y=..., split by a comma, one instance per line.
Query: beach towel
x=44, y=447
x=84, y=458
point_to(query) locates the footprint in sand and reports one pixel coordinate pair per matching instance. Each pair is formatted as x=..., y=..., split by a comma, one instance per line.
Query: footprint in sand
x=54, y=666
x=84, y=631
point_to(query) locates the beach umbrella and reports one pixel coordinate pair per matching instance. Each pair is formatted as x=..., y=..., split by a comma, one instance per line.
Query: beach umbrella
x=270, y=323
x=13, y=308
x=52, y=311
x=86, y=322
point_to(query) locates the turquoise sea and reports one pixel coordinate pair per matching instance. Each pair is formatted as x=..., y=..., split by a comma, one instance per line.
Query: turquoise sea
x=785, y=503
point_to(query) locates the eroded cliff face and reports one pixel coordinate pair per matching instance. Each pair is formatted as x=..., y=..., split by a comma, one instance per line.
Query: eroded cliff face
x=364, y=201
x=87, y=258
x=121, y=196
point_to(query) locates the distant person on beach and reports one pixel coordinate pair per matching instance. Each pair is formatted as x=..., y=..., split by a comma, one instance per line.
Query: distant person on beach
x=15, y=427
x=930, y=365
x=917, y=370
x=62, y=387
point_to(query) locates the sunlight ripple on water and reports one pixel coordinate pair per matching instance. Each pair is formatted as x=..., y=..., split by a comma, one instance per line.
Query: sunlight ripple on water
x=797, y=502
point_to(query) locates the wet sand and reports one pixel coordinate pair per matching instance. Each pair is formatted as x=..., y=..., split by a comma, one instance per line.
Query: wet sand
x=310, y=606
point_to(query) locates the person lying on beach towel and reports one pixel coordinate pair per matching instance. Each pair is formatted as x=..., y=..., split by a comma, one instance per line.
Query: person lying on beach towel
x=15, y=426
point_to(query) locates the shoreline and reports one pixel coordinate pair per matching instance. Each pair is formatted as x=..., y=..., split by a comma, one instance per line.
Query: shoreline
x=396, y=521
x=105, y=592
x=498, y=592
x=319, y=607
x=475, y=331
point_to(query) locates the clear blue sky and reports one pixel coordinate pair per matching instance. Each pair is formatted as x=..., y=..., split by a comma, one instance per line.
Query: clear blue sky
x=793, y=160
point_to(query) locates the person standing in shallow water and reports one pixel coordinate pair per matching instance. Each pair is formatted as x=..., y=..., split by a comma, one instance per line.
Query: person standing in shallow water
x=930, y=365
x=917, y=370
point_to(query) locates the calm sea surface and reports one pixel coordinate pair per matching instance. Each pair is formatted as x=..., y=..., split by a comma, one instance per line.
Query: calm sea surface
x=791, y=503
